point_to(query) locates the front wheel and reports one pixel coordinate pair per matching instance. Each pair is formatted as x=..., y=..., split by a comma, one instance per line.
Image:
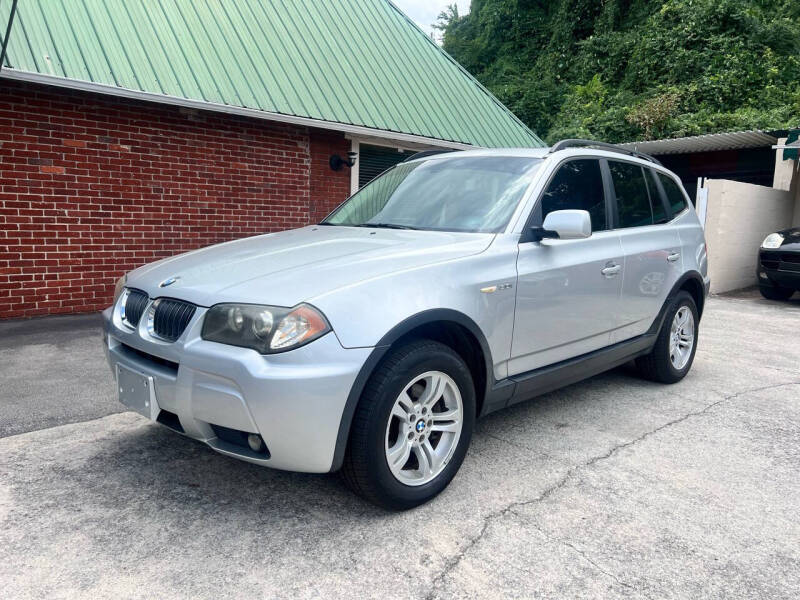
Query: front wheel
x=412, y=426
x=775, y=292
x=673, y=353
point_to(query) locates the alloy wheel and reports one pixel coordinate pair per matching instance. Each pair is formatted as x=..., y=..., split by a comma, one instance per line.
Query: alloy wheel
x=424, y=428
x=681, y=341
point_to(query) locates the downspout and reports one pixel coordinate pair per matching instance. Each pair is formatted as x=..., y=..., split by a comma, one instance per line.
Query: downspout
x=4, y=40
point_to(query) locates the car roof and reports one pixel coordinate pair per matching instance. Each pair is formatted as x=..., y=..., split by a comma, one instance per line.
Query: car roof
x=543, y=153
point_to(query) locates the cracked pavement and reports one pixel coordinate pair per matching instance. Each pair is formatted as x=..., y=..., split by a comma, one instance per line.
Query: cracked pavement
x=613, y=487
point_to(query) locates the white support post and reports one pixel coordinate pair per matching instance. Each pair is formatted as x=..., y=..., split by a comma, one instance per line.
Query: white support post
x=701, y=203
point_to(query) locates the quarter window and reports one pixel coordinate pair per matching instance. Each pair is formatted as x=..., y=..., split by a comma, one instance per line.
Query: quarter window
x=577, y=185
x=659, y=207
x=633, y=200
x=675, y=196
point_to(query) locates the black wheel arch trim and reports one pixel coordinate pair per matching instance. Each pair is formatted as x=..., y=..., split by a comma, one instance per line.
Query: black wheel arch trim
x=426, y=317
x=688, y=276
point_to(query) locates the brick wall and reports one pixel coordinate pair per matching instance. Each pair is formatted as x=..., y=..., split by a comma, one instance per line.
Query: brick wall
x=93, y=186
x=328, y=188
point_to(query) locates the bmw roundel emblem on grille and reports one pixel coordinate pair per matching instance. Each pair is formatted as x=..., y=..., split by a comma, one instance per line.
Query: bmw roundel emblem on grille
x=169, y=281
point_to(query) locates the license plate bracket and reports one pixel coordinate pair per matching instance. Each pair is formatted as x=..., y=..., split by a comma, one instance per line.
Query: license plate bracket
x=137, y=391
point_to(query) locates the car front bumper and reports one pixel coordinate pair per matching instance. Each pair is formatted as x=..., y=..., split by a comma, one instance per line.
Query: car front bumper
x=207, y=390
x=779, y=267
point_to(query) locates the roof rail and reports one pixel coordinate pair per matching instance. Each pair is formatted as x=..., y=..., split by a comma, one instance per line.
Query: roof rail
x=425, y=153
x=575, y=143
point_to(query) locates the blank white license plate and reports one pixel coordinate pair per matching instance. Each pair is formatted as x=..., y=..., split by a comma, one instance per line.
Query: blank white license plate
x=136, y=391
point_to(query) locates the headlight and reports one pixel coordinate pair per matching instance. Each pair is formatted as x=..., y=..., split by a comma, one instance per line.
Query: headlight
x=772, y=241
x=267, y=329
x=120, y=285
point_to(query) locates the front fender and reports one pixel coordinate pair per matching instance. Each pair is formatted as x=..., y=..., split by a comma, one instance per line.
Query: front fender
x=379, y=351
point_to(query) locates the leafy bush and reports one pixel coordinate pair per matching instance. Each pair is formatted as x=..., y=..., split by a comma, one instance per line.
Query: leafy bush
x=622, y=70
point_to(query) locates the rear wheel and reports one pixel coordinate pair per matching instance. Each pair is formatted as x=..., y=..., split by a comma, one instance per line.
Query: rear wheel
x=775, y=292
x=673, y=353
x=412, y=426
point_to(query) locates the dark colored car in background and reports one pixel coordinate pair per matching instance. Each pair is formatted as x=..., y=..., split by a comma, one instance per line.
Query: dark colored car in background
x=779, y=264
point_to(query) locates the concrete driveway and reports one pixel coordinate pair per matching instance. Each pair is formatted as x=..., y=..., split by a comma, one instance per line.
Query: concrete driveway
x=614, y=487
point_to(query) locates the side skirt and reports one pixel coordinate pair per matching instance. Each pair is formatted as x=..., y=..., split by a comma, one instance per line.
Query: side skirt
x=546, y=379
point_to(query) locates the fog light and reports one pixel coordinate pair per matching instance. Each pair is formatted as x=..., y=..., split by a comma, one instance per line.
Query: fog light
x=255, y=442
x=762, y=275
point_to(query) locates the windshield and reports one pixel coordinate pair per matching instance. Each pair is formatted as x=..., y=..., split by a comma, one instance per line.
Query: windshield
x=476, y=194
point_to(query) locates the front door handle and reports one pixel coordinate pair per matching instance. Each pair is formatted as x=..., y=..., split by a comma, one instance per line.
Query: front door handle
x=611, y=270
x=674, y=256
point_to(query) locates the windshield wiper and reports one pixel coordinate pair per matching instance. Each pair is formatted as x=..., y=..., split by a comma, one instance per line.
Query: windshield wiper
x=386, y=226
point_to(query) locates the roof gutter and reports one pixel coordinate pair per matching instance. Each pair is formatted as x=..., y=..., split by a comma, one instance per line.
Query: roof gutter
x=111, y=90
x=4, y=41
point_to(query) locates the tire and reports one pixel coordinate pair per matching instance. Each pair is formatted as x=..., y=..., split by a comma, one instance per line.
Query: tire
x=377, y=429
x=659, y=365
x=775, y=292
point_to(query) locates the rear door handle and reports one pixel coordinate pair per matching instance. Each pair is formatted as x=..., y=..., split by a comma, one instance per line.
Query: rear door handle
x=674, y=256
x=611, y=270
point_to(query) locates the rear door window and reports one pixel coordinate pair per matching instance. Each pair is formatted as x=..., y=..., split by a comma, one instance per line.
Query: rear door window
x=675, y=196
x=578, y=184
x=660, y=214
x=633, y=199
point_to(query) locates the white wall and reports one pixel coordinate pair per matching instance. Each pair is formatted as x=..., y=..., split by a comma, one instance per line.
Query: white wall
x=738, y=218
x=785, y=171
x=796, y=222
x=787, y=177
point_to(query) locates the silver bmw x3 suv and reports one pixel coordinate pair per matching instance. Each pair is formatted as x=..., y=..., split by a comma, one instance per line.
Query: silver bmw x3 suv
x=451, y=286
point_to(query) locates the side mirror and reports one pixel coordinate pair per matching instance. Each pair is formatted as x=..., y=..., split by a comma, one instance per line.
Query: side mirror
x=568, y=224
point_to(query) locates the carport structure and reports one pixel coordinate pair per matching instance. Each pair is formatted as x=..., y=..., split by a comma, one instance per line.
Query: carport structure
x=745, y=185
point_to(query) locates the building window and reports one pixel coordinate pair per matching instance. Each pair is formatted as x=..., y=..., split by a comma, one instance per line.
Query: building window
x=374, y=160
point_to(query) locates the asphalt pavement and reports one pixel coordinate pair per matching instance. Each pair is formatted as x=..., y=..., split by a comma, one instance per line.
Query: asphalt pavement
x=613, y=487
x=52, y=372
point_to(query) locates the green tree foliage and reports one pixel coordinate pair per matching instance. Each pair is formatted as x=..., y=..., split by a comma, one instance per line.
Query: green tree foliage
x=621, y=70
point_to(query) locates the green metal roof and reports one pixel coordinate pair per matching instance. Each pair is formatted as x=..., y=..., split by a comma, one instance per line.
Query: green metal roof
x=349, y=62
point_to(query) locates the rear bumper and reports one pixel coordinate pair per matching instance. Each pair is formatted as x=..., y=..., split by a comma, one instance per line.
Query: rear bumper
x=294, y=400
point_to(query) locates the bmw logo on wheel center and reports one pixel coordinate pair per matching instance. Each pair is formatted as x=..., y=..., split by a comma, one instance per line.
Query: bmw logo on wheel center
x=420, y=426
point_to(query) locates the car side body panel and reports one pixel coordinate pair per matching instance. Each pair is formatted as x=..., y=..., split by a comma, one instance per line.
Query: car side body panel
x=481, y=287
x=566, y=305
x=652, y=266
x=694, y=255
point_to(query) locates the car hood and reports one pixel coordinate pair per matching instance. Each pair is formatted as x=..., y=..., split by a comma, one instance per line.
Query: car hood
x=790, y=236
x=286, y=268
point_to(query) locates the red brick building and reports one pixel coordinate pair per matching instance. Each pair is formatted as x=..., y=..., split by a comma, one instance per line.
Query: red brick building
x=93, y=186
x=100, y=174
